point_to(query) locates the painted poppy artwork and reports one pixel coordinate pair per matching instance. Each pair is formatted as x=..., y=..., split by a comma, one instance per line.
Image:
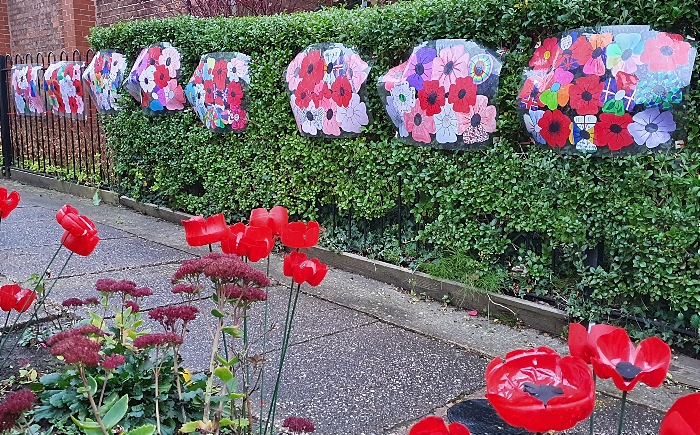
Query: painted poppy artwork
x=326, y=87
x=217, y=91
x=153, y=80
x=103, y=77
x=612, y=90
x=444, y=95
x=63, y=84
x=27, y=89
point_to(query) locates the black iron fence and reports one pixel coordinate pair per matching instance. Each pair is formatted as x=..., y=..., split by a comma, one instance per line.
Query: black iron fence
x=50, y=144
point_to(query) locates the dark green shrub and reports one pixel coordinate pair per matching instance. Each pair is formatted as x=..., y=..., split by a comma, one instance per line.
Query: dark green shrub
x=645, y=208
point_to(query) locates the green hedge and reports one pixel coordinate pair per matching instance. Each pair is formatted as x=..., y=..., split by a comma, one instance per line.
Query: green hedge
x=644, y=208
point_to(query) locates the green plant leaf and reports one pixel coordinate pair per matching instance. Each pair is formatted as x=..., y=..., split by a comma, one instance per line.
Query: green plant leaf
x=148, y=429
x=116, y=412
x=189, y=427
x=223, y=373
x=216, y=313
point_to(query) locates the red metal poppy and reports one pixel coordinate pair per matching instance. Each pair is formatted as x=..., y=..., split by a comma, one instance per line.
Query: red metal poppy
x=25, y=299
x=257, y=243
x=13, y=297
x=8, y=298
x=8, y=202
x=231, y=243
x=434, y=425
x=582, y=342
x=539, y=390
x=301, y=269
x=81, y=234
x=681, y=418
x=618, y=358
x=300, y=235
x=292, y=261
x=200, y=231
x=275, y=219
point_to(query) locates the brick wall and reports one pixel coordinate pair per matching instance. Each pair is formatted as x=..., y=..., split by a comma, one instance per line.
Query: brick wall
x=35, y=25
x=114, y=11
x=78, y=17
x=4, y=29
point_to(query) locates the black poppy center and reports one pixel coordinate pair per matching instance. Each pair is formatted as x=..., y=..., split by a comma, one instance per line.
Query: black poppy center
x=666, y=50
x=432, y=98
x=449, y=67
x=341, y=91
x=476, y=120
x=420, y=69
x=627, y=370
x=616, y=128
x=417, y=119
x=597, y=52
x=234, y=70
x=462, y=93
x=329, y=114
x=329, y=68
x=554, y=127
x=651, y=127
x=544, y=393
x=310, y=69
x=478, y=69
x=586, y=96
x=145, y=80
x=233, y=94
x=303, y=96
x=626, y=54
x=151, y=61
x=585, y=135
x=309, y=116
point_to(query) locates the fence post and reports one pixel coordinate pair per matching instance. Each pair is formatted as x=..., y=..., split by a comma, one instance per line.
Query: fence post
x=5, y=119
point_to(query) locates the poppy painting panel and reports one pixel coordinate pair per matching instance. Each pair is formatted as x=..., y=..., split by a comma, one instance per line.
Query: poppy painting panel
x=153, y=80
x=444, y=95
x=103, y=76
x=612, y=90
x=326, y=87
x=63, y=85
x=27, y=89
x=217, y=91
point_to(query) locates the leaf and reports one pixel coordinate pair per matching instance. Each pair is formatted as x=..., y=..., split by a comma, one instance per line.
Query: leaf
x=223, y=373
x=189, y=427
x=96, y=200
x=116, y=412
x=148, y=429
x=216, y=313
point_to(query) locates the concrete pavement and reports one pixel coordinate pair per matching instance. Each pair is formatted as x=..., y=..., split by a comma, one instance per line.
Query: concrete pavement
x=365, y=358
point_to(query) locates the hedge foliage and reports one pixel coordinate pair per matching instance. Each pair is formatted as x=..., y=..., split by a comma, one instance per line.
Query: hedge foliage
x=646, y=209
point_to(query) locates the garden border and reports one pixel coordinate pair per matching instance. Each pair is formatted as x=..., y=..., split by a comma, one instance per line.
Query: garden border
x=685, y=370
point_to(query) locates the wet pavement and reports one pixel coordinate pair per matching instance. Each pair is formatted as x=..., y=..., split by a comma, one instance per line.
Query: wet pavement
x=365, y=358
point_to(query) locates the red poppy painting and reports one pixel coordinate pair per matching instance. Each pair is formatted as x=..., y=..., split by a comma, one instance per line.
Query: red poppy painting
x=444, y=95
x=620, y=86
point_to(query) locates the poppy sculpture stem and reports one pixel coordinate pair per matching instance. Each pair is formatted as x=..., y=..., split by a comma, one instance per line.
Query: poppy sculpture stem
x=291, y=307
x=622, y=412
x=590, y=430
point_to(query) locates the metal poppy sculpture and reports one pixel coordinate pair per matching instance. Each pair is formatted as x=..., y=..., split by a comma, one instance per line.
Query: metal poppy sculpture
x=27, y=89
x=539, y=390
x=444, y=95
x=63, y=84
x=103, y=76
x=326, y=87
x=617, y=89
x=217, y=89
x=153, y=80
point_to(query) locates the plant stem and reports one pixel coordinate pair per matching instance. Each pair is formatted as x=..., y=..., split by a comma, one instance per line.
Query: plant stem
x=156, y=372
x=212, y=366
x=104, y=387
x=264, y=351
x=622, y=412
x=592, y=413
x=176, y=373
x=92, y=401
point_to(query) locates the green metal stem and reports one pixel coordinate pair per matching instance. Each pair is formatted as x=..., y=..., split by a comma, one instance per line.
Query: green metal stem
x=590, y=429
x=622, y=412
